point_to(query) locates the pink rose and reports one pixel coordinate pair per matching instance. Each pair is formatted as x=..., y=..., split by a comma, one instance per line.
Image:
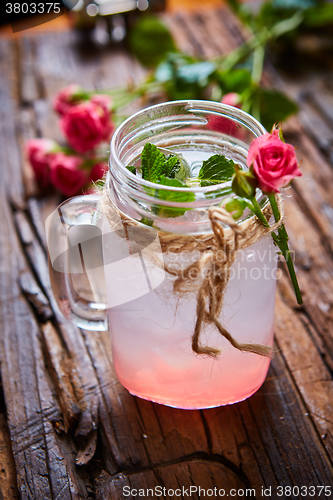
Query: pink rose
x=98, y=171
x=66, y=175
x=223, y=124
x=65, y=99
x=273, y=161
x=88, y=124
x=39, y=153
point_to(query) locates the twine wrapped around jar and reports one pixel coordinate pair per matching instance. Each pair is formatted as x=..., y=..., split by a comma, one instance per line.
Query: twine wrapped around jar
x=218, y=251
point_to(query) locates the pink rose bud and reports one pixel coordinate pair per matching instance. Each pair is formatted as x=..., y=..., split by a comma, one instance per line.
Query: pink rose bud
x=222, y=124
x=273, y=162
x=98, y=171
x=39, y=153
x=232, y=99
x=88, y=124
x=65, y=99
x=66, y=175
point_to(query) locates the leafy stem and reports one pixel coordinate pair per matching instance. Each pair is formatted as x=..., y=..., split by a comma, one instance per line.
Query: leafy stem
x=258, y=212
x=258, y=63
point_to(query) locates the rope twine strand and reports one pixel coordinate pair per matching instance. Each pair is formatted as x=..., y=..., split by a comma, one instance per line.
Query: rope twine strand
x=210, y=273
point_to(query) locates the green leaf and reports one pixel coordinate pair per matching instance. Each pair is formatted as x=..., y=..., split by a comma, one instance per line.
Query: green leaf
x=150, y=40
x=167, y=68
x=215, y=170
x=274, y=107
x=236, y=207
x=184, y=77
x=321, y=15
x=146, y=221
x=244, y=12
x=152, y=162
x=184, y=170
x=197, y=73
x=132, y=169
x=172, y=196
x=171, y=166
x=234, y=80
x=293, y=4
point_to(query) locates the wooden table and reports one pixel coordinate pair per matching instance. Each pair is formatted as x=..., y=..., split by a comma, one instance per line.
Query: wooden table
x=67, y=427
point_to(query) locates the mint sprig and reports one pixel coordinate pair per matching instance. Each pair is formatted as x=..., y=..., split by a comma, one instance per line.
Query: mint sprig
x=169, y=169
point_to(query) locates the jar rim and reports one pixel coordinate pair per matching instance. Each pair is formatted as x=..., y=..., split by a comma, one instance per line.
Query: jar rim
x=190, y=105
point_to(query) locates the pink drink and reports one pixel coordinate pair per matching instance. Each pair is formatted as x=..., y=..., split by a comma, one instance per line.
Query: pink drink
x=151, y=334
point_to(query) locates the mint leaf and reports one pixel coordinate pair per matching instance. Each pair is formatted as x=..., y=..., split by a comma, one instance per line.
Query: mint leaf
x=171, y=166
x=184, y=170
x=172, y=196
x=236, y=207
x=152, y=162
x=215, y=170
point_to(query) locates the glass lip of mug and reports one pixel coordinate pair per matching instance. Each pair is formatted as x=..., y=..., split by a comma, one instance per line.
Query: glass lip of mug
x=171, y=124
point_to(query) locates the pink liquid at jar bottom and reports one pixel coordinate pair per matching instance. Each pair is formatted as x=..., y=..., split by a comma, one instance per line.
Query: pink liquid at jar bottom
x=151, y=338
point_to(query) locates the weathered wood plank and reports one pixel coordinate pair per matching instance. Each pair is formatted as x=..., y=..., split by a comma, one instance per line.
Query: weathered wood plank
x=8, y=487
x=22, y=374
x=10, y=159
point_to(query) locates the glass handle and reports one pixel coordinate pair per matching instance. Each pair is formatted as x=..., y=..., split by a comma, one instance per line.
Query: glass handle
x=74, y=234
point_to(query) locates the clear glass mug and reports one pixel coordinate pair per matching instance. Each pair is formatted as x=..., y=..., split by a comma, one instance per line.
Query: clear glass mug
x=104, y=272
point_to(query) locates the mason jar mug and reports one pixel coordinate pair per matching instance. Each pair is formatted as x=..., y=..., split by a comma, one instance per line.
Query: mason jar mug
x=136, y=259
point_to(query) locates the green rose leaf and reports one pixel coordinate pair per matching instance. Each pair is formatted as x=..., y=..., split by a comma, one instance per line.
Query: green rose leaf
x=235, y=80
x=184, y=77
x=197, y=73
x=244, y=184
